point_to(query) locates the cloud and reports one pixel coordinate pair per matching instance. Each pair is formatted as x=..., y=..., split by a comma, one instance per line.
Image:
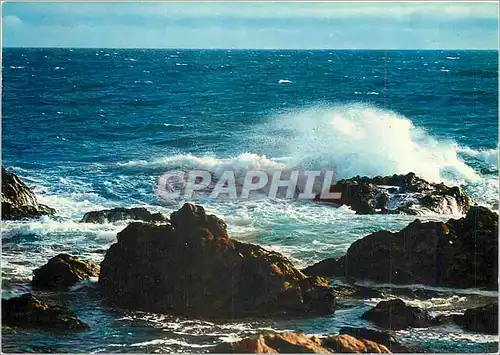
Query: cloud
x=12, y=20
x=264, y=10
x=241, y=25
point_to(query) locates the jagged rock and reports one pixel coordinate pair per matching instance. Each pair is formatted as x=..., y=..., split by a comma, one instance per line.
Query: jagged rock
x=461, y=253
x=27, y=311
x=379, y=337
x=300, y=343
x=355, y=291
x=344, y=343
x=418, y=293
x=18, y=201
x=122, y=214
x=396, y=315
x=481, y=319
x=370, y=334
x=273, y=343
x=61, y=272
x=407, y=194
x=192, y=267
x=327, y=267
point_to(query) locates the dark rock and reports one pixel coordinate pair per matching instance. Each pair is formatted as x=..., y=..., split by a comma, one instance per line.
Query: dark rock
x=370, y=334
x=355, y=291
x=396, y=315
x=327, y=267
x=18, y=201
x=366, y=293
x=345, y=343
x=419, y=293
x=377, y=336
x=461, y=253
x=190, y=218
x=359, y=195
x=192, y=267
x=382, y=200
x=317, y=297
x=61, y=272
x=300, y=343
x=447, y=319
x=122, y=214
x=27, y=311
x=373, y=195
x=482, y=319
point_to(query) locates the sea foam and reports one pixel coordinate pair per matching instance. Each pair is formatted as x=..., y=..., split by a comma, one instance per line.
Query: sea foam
x=351, y=140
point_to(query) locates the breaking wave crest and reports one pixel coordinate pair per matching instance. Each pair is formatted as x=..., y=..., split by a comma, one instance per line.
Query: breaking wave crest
x=351, y=140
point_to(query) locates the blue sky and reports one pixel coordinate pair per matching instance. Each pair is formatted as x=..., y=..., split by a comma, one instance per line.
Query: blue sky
x=265, y=25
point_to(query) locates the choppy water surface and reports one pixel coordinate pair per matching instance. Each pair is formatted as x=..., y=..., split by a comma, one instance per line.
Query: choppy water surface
x=93, y=129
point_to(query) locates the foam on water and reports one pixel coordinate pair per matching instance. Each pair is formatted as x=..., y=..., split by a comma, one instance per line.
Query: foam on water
x=359, y=139
x=350, y=139
x=353, y=139
x=488, y=156
x=246, y=161
x=109, y=153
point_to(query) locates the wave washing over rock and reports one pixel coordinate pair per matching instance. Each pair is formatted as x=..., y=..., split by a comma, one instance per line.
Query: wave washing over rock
x=188, y=265
x=93, y=151
x=18, y=201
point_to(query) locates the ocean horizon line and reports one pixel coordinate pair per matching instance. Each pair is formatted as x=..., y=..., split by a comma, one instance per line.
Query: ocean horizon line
x=269, y=49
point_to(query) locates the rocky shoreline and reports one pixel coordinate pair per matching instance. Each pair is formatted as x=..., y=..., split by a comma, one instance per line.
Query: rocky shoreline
x=399, y=194
x=460, y=253
x=188, y=265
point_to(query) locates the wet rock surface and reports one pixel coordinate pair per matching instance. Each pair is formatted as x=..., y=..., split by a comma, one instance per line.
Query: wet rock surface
x=481, y=319
x=122, y=214
x=18, y=200
x=357, y=292
x=405, y=194
x=395, y=315
x=300, y=343
x=192, y=267
x=61, y=272
x=28, y=311
x=377, y=336
x=460, y=253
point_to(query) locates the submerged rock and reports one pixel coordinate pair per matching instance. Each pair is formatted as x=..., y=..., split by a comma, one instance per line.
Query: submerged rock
x=396, y=315
x=300, y=343
x=27, y=311
x=461, y=253
x=61, y=272
x=122, y=214
x=406, y=194
x=18, y=201
x=192, y=267
x=481, y=319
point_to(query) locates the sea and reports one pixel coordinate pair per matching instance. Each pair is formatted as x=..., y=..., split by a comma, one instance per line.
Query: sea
x=92, y=129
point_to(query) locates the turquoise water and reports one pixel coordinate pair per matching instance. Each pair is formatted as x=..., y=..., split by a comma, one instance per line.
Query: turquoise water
x=95, y=128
